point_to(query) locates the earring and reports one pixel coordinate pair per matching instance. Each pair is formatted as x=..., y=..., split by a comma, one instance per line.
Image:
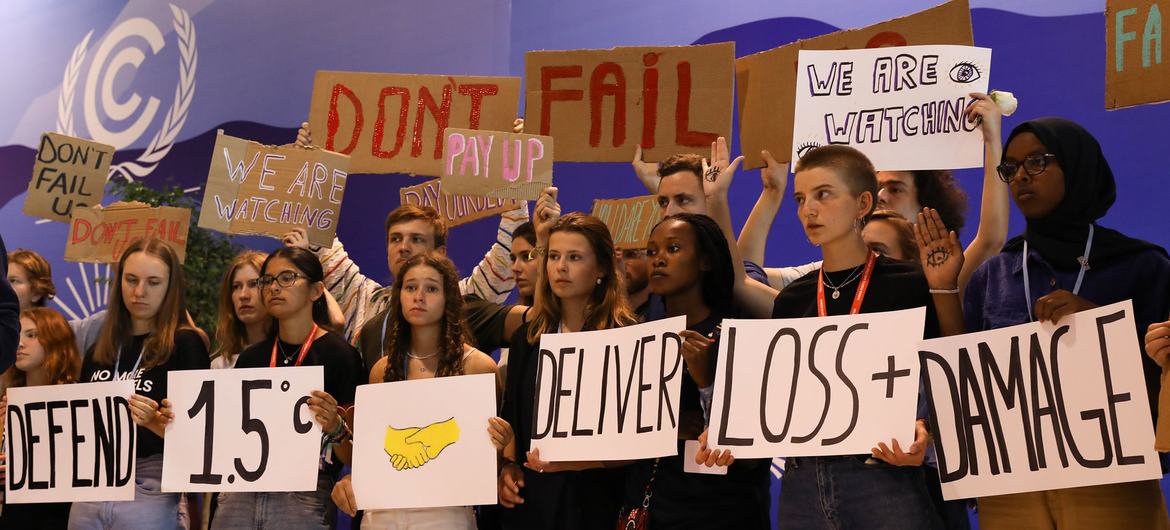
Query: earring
x=599, y=281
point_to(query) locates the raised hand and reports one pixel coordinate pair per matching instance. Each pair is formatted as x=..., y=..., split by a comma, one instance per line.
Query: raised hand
x=518, y=125
x=717, y=173
x=912, y=456
x=774, y=174
x=297, y=237
x=304, y=136
x=984, y=110
x=436, y=437
x=647, y=171
x=545, y=214
x=939, y=250
x=404, y=455
x=1157, y=342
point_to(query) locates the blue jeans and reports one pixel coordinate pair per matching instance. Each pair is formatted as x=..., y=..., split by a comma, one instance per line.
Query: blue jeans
x=307, y=510
x=846, y=492
x=151, y=508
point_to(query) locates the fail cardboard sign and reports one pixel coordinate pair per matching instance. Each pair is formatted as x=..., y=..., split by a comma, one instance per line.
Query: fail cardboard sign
x=69, y=172
x=766, y=81
x=262, y=189
x=436, y=452
x=100, y=235
x=903, y=107
x=497, y=164
x=70, y=443
x=248, y=429
x=1134, y=70
x=825, y=386
x=600, y=104
x=1041, y=406
x=609, y=395
x=629, y=220
x=454, y=209
x=394, y=123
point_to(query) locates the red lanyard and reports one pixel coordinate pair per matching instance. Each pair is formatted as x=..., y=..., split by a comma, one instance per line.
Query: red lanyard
x=304, y=347
x=822, y=310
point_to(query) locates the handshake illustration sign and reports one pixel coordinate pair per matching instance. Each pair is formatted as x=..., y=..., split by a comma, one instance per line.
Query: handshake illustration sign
x=413, y=447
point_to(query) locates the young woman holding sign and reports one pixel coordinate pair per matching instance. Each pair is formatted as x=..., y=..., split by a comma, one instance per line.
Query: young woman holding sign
x=46, y=355
x=1062, y=264
x=293, y=293
x=835, y=190
x=579, y=289
x=427, y=339
x=143, y=338
x=243, y=320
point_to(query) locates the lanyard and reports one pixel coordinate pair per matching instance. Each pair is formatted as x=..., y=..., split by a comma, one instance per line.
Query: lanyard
x=118, y=361
x=822, y=309
x=1083, y=260
x=304, y=347
x=383, y=343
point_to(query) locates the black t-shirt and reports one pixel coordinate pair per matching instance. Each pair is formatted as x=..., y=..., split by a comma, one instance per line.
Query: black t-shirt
x=189, y=354
x=343, y=364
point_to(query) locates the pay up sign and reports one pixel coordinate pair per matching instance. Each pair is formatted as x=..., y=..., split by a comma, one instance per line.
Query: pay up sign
x=262, y=189
x=903, y=107
x=497, y=164
x=825, y=386
x=68, y=172
x=1041, y=406
x=70, y=443
x=609, y=395
x=248, y=429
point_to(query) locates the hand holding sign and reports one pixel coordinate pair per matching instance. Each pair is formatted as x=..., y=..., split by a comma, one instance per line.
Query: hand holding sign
x=985, y=111
x=912, y=456
x=1158, y=342
x=150, y=414
x=647, y=171
x=774, y=174
x=546, y=213
x=1059, y=304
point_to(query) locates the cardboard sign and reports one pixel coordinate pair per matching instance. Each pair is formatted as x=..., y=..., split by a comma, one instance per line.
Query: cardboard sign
x=262, y=189
x=1041, y=406
x=609, y=395
x=497, y=164
x=436, y=452
x=903, y=107
x=248, y=429
x=454, y=209
x=70, y=443
x=100, y=235
x=630, y=221
x=394, y=123
x=825, y=386
x=766, y=81
x=69, y=172
x=1134, y=70
x=600, y=104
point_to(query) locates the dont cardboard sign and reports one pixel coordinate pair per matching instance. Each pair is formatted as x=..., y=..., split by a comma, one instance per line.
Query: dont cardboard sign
x=1134, y=70
x=262, y=189
x=69, y=172
x=629, y=220
x=394, y=123
x=497, y=164
x=766, y=81
x=435, y=452
x=600, y=104
x=100, y=235
x=70, y=443
x=903, y=107
x=1041, y=406
x=611, y=394
x=453, y=208
x=248, y=429
x=825, y=386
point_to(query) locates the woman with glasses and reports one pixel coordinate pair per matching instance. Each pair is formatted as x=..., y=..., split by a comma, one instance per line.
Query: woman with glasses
x=293, y=293
x=1064, y=263
x=143, y=338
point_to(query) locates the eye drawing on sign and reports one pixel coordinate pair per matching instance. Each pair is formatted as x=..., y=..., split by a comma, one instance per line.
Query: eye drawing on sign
x=805, y=148
x=412, y=447
x=965, y=72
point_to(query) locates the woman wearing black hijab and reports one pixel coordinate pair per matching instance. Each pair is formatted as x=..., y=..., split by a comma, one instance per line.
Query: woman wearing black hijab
x=1062, y=184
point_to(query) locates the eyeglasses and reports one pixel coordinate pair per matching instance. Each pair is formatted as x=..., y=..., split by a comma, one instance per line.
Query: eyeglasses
x=1033, y=165
x=527, y=255
x=285, y=279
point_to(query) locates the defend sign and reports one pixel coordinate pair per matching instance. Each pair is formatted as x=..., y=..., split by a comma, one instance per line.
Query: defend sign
x=903, y=107
x=70, y=443
x=816, y=386
x=248, y=429
x=600, y=104
x=1041, y=406
x=68, y=172
x=609, y=395
x=263, y=189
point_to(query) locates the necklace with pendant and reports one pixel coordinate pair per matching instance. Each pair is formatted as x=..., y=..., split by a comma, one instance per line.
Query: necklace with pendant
x=837, y=288
x=421, y=365
x=286, y=357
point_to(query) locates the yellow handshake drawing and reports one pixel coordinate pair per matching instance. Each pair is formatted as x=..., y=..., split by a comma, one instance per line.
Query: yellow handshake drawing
x=412, y=447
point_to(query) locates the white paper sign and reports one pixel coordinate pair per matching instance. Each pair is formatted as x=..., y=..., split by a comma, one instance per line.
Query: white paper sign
x=610, y=394
x=245, y=429
x=825, y=386
x=902, y=106
x=424, y=443
x=70, y=443
x=1041, y=406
